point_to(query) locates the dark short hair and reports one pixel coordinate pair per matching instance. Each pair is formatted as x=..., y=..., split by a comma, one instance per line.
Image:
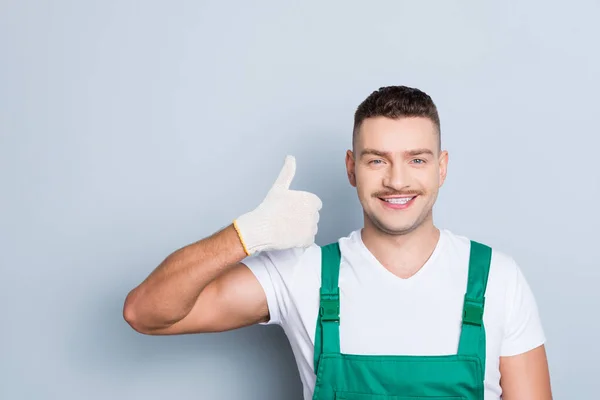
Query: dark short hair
x=396, y=102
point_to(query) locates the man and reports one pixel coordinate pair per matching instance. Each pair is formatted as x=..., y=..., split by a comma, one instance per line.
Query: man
x=399, y=309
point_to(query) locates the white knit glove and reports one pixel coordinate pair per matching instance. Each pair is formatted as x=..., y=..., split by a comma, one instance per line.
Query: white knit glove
x=285, y=219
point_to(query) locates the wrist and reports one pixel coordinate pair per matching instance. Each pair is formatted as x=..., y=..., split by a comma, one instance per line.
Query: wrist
x=254, y=232
x=241, y=237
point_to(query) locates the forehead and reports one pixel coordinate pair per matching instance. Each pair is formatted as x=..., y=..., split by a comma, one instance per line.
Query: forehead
x=396, y=135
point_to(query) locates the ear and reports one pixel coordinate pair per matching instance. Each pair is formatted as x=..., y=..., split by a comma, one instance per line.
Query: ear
x=443, y=166
x=350, y=167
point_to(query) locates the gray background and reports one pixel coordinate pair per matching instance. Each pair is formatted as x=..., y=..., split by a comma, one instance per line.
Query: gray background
x=129, y=129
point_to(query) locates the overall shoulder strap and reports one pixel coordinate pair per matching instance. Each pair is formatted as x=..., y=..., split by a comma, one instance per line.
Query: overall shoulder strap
x=327, y=335
x=472, y=337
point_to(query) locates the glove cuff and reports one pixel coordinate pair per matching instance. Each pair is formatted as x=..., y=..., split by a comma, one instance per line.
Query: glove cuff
x=254, y=232
x=239, y=233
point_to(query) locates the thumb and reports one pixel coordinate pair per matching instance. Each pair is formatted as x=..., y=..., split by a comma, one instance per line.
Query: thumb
x=286, y=175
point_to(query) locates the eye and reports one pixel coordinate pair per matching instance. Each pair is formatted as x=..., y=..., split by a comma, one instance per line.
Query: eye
x=419, y=161
x=376, y=161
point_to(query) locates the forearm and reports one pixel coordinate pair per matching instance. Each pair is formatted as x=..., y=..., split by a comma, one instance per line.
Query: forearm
x=168, y=294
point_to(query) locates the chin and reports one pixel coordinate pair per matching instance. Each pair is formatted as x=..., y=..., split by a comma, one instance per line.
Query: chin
x=390, y=228
x=397, y=230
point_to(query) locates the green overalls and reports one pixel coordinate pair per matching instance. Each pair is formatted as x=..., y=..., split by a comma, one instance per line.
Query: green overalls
x=401, y=377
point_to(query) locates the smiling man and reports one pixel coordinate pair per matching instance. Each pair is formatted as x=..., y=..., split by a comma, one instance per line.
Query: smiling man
x=399, y=309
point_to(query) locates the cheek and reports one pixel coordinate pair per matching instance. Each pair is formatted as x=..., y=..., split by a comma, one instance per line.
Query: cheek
x=368, y=180
x=429, y=179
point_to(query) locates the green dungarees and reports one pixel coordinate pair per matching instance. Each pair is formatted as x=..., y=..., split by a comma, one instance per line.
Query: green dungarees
x=401, y=377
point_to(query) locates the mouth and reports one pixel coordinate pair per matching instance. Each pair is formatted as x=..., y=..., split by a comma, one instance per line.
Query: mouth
x=398, y=202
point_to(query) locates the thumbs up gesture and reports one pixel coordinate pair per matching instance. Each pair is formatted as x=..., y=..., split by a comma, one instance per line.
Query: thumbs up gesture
x=285, y=218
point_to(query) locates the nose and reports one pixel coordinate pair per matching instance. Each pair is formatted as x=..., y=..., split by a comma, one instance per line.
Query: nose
x=396, y=177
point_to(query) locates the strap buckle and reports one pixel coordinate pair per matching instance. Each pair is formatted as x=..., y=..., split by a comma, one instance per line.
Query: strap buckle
x=329, y=309
x=473, y=311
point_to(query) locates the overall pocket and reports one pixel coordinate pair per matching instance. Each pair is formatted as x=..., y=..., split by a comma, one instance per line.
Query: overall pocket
x=366, y=396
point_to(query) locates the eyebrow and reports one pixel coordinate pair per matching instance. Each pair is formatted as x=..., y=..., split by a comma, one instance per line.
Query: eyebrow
x=410, y=153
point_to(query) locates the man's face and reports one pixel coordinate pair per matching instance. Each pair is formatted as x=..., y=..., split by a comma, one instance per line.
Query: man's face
x=397, y=169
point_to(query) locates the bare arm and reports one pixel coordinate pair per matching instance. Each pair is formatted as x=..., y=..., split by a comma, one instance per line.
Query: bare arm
x=202, y=287
x=526, y=376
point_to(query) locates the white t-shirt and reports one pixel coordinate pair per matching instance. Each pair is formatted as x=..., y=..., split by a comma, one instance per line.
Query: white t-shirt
x=383, y=314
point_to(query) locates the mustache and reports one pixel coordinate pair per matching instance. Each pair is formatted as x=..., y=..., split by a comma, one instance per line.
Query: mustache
x=400, y=193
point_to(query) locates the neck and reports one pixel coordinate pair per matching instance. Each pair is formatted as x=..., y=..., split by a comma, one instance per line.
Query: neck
x=403, y=255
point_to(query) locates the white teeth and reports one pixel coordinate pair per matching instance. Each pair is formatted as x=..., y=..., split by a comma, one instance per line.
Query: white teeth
x=403, y=200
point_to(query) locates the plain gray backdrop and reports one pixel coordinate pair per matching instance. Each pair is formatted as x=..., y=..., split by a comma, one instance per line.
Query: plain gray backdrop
x=129, y=129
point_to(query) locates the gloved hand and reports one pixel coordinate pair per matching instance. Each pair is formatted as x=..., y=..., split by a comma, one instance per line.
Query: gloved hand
x=285, y=218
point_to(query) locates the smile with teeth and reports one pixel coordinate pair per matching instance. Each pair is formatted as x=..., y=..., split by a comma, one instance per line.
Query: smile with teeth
x=399, y=200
